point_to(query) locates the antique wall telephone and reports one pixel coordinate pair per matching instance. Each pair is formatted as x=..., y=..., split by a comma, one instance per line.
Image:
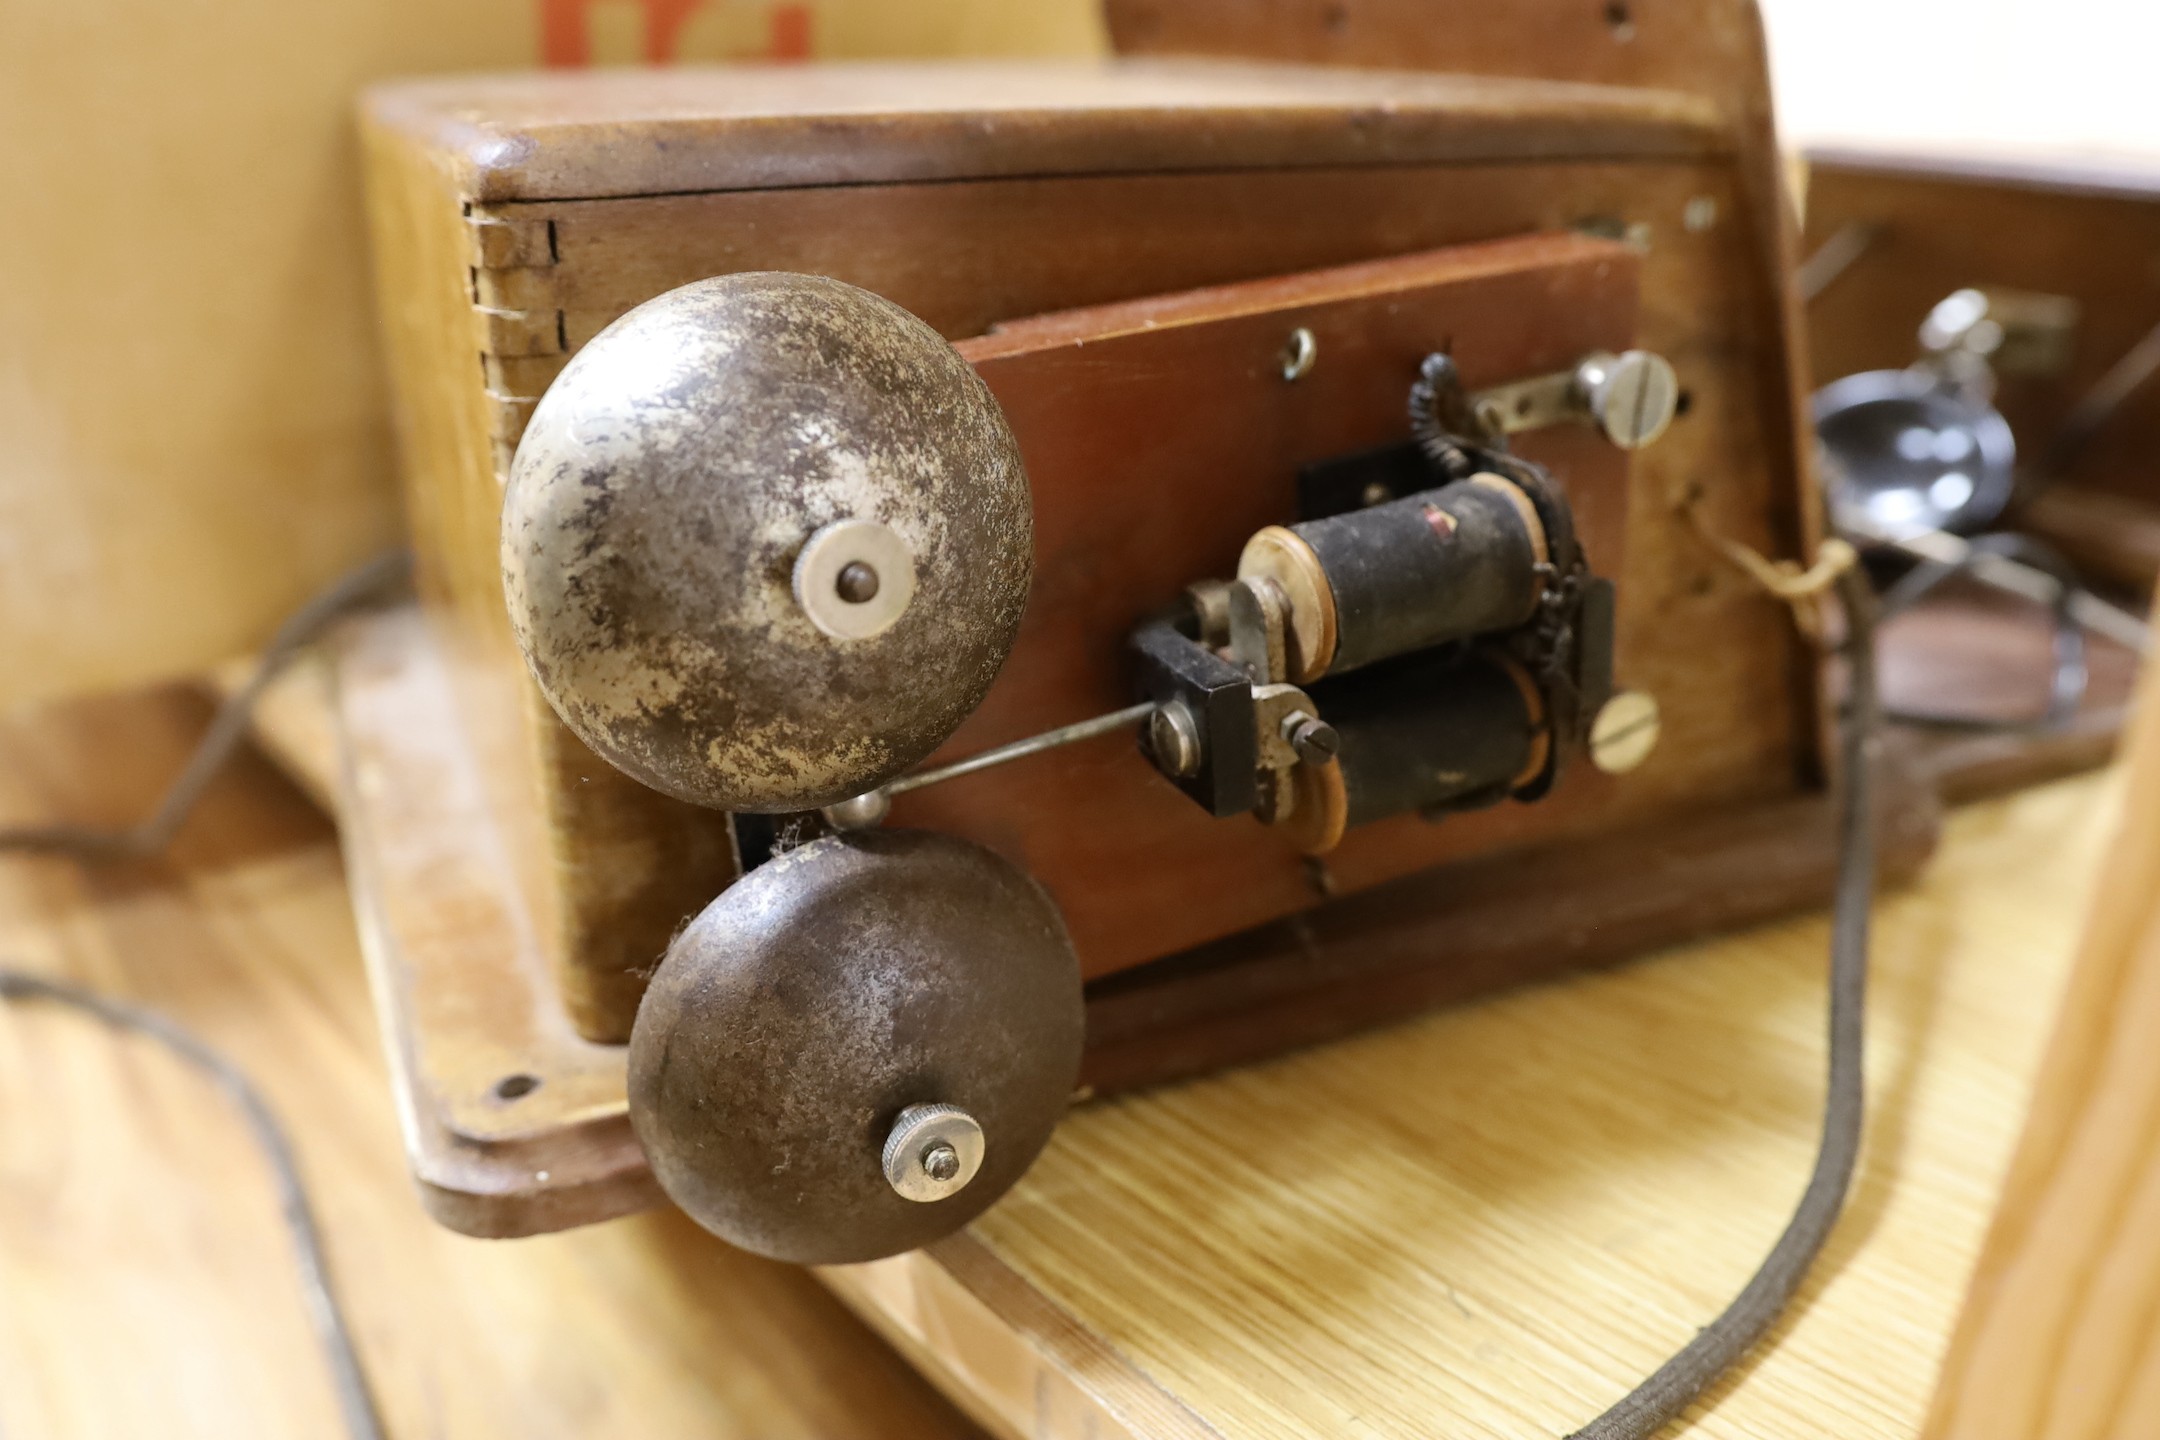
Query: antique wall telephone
x=766, y=544
x=902, y=559
x=976, y=538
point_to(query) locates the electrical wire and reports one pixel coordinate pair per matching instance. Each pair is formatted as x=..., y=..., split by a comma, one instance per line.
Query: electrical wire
x=355, y=1400
x=1718, y=1346
x=227, y=729
x=333, y=1332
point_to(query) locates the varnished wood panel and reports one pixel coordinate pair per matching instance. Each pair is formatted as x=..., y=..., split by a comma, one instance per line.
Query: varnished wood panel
x=424, y=250
x=576, y=137
x=966, y=257
x=1494, y=923
x=607, y=868
x=1712, y=49
x=2060, y=1336
x=1158, y=436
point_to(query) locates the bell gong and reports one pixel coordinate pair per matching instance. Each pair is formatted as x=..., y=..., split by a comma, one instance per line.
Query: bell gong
x=858, y=1047
x=766, y=542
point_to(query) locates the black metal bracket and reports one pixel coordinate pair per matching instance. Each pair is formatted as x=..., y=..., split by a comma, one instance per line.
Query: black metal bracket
x=1175, y=668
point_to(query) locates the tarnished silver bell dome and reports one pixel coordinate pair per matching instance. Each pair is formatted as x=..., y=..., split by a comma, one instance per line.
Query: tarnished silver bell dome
x=836, y=1015
x=766, y=542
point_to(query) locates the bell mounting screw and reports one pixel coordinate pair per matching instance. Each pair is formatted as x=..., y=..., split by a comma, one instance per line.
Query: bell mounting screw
x=932, y=1151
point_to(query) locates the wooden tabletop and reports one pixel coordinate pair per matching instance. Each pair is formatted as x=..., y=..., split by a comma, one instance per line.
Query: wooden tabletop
x=1492, y=1221
x=146, y=1285
x=1481, y=1223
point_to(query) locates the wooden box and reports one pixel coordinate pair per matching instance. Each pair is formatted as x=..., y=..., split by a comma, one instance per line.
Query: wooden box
x=2073, y=235
x=516, y=217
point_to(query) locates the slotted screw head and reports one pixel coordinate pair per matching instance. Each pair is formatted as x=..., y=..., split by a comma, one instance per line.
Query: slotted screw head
x=1632, y=396
x=1624, y=732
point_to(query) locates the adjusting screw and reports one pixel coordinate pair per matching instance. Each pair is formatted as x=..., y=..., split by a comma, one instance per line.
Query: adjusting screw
x=1312, y=738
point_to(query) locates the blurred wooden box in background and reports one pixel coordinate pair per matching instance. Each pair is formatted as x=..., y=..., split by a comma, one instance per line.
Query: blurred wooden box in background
x=2068, y=249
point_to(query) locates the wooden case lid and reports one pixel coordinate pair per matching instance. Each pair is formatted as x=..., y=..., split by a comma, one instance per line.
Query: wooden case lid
x=589, y=135
x=2126, y=173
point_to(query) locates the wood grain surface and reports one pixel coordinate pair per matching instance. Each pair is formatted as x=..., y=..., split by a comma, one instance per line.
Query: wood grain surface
x=603, y=907
x=2061, y=1334
x=146, y=1286
x=588, y=137
x=1711, y=49
x=1491, y=1222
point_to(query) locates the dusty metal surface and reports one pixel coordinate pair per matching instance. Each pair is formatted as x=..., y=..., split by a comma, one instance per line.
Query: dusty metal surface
x=819, y=997
x=662, y=494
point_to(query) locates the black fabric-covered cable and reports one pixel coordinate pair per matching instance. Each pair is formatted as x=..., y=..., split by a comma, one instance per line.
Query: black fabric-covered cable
x=227, y=729
x=355, y=1400
x=1658, y=1400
